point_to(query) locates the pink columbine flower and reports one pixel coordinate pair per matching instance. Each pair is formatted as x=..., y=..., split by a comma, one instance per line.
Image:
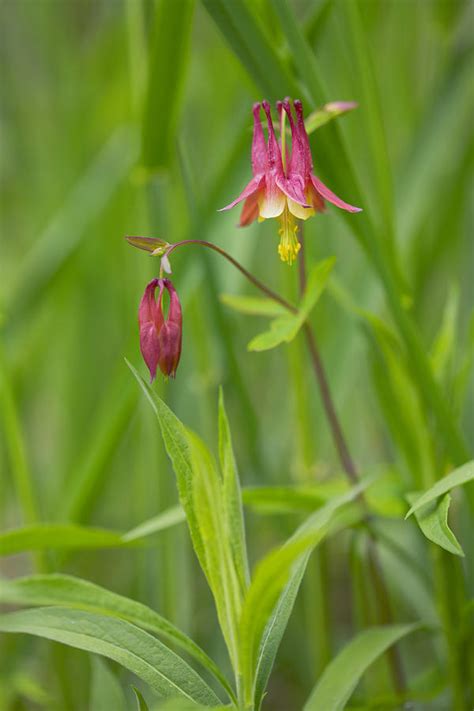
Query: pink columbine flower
x=160, y=337
x=283, y=184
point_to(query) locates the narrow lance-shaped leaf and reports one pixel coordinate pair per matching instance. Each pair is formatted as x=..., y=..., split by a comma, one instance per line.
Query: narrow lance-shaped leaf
x=68, y=591
x=201, y=493
x=64, y=536
x=141, y=703
x=136, y=650
x=342, y=675
x=433, y=521
x=458, y=477
x=271, y=576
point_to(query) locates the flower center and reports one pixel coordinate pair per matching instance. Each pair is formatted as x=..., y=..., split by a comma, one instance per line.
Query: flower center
x=289, y=246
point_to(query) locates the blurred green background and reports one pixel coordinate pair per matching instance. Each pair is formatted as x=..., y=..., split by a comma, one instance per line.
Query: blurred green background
x=126, y=117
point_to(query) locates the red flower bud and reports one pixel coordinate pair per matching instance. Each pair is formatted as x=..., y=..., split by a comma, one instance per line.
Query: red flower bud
x=160, y=338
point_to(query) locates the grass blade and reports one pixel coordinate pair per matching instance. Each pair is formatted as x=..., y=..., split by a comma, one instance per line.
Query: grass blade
x=167, y=67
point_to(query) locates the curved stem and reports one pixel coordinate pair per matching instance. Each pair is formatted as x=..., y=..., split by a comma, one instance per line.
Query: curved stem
x=351, y=471
x=256, y=282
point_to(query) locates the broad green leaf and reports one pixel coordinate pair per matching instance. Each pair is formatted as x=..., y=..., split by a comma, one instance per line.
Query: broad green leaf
x=253, y=305
x=234, y=515
x=285, y=328
x=432, y=518
x=342, y=675
x=68, y=591
x=169, y=59
x=106, y=692
x=458, y=477
x=273, y=574
x=141, y=703
x=133, y=648
x=165, y=519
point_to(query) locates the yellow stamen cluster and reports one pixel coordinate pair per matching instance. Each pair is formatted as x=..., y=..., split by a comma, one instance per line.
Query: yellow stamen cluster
x=289, y=246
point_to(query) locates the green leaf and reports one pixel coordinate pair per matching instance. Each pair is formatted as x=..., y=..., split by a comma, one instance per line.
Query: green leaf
x=169, y=59
x=165, y=519
x=285, y=499
x=57, y=537
x=285, y=328
x=273, y=574
x=133, y=648
x=342, y=675
x=443, y=348
x=327, y=113
x=433, y=521
x=234, y=515
x=106, y=692
x=68, y=591
x=275, y=629
x=458, y=477
x=69, y=536
x=141, y=703
x=282, y=330
x=202, y=494
x=253, y=305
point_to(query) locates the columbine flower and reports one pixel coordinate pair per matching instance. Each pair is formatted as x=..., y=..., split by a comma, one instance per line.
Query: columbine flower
x=160, y=338
x=283, y=185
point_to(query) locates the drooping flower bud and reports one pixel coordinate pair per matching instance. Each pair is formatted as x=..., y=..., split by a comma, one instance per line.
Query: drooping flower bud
x=160, y=337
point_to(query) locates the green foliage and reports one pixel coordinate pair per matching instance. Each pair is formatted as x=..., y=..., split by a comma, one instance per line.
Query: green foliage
x=343, y=674
x=458, y=477
x=285, y=328
x=433, y=521
x=136, y=650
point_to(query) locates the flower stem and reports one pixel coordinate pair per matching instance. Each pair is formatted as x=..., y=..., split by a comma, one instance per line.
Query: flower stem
x=351, y=472
x=256, y=282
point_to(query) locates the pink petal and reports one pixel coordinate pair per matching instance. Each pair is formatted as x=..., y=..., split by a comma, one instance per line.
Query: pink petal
x=249, y=190
x=249, y=211
x=293, y=187
x=331, y=197
x=303, y=136
x=273, y=149
x=259, y=148
x=297, y=164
